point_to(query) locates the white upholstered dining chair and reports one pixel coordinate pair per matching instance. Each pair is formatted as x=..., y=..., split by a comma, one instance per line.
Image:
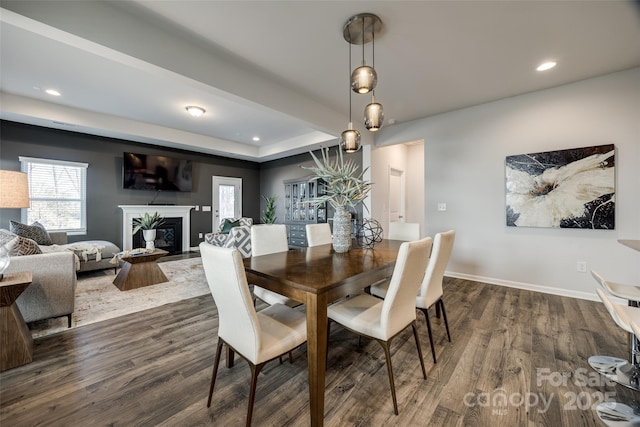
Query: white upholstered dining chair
x=318, y=234
x=407, y=231
x=382, y=320
x=258, y=337
x=270, y=239
x=431, y=287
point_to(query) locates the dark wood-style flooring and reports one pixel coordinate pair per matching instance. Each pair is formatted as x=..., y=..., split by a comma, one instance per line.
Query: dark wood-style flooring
x=154, y=367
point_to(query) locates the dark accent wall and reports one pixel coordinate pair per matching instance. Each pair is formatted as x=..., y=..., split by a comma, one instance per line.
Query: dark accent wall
x=274, y=173
x=104, y=177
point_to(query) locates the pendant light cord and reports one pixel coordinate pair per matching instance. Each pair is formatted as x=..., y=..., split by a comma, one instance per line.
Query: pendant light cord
x=349, y=50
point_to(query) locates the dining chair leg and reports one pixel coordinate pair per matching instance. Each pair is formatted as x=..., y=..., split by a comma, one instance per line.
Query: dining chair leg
x=437, y=311
x=415, y=335
x=444, y=316
x=387, y=355
x=426, y=316
x=215, y=370
x=255, y=370
x=291, y=357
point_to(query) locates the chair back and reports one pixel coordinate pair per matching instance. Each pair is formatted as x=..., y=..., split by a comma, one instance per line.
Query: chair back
x=398, y=307
x=238, y=322
x=318, y=234
x=407, y=231
x=431, y=287
x=268, y=239
x=618, y=316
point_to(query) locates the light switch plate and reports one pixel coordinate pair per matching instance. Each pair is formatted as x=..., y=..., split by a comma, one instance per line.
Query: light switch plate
x=442, y=207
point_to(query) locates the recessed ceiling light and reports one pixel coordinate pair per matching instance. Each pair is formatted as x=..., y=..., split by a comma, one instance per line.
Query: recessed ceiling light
x=52, y=92
x=195, y=111
x=256, y=138
x=546, y=66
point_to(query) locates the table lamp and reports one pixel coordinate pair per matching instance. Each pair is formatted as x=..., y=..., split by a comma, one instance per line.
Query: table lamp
x=14, y=193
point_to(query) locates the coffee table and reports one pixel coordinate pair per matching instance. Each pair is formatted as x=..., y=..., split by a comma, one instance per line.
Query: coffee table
x=140, y=270
x=16, y=344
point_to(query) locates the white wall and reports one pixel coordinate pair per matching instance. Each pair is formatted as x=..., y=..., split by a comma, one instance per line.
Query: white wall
x=464, y=156
x=410, y=159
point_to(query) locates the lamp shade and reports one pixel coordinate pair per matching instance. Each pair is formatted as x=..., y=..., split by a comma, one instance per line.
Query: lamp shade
x=364, y=79
x=373, y=116
x=14, y=189
x=350, y=140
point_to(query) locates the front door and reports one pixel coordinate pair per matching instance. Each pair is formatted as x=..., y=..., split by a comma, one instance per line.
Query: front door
x=227, y=199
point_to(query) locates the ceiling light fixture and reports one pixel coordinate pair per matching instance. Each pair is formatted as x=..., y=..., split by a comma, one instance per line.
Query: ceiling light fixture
x=52, y=92
x=546, y=66
x=195, y=111
x=350, y=138
x=361, y=29
x=256, y=138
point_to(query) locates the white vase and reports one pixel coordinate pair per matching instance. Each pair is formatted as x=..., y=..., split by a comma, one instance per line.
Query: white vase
x=150, y=238
x=341, y=230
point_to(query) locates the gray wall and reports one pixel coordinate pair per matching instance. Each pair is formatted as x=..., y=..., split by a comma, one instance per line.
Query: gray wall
x=274, y=173
x=104, y=177
x=464, y=157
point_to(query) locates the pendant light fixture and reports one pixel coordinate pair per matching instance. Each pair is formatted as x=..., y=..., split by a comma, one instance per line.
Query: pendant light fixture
x=373, y=112
x=350, y=138
x=359, y=30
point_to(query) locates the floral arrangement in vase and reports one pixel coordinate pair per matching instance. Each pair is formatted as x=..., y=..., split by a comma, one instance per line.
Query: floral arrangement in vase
x=344, y=187
x=148, y=224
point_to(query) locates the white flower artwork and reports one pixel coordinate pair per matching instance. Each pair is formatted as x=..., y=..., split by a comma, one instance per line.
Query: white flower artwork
x=572, y=188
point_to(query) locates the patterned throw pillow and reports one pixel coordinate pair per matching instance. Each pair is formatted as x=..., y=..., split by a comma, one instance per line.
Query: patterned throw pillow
x=18, y=245
x=35, y=231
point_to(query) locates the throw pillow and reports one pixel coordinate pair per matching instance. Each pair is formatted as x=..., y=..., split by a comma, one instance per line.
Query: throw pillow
x=228, y=225
x=6, y=236
x=35, y=231
x=22, y=246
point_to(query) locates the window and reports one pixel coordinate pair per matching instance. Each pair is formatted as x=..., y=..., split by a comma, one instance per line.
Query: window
x=57, y=192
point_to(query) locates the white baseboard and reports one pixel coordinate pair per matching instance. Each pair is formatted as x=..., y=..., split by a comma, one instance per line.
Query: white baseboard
x=526, y=286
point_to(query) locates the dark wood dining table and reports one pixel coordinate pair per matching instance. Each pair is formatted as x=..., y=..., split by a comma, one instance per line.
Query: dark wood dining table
x=316, y=277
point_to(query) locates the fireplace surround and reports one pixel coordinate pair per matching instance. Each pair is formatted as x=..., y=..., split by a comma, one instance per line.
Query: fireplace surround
x=129, y=212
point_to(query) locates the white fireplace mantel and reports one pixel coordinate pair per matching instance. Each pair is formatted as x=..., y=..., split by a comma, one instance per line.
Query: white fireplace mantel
x=129, y=212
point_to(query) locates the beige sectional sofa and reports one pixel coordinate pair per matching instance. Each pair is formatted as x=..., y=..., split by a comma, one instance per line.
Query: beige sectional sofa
x=52, y=291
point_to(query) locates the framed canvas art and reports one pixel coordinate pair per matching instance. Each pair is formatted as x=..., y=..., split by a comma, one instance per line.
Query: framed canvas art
x=572, y=188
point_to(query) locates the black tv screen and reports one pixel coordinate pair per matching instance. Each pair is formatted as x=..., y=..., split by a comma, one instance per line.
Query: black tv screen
x=159, y=173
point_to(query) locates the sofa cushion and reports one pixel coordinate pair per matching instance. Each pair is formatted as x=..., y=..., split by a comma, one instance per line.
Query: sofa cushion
x=18, y=245
x=35, y=231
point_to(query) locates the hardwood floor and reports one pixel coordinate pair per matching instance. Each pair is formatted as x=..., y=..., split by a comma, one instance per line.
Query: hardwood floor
x=154, y=367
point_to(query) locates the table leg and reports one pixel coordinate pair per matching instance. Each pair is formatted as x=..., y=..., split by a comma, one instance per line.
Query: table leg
x=317, y=354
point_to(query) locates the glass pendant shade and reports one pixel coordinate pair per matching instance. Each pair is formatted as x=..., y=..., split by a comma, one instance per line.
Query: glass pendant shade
x=373, y=116
x=364, y=79
x=350, y=140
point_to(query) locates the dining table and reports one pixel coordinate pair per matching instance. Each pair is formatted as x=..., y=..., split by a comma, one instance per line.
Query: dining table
x=317, y=276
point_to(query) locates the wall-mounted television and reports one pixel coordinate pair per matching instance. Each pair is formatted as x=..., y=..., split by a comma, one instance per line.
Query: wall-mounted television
x=156, y=173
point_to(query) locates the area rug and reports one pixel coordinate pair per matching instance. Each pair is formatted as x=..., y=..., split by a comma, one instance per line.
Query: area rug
x=98, y=299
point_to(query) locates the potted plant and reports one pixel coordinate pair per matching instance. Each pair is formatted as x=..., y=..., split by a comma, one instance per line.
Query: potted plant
x=344, y=187
x=269, y=213
x=148, y=224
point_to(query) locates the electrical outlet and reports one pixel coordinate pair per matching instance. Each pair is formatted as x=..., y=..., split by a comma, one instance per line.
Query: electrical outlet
x=442, y=207
x=581, y=266
x=200, y=236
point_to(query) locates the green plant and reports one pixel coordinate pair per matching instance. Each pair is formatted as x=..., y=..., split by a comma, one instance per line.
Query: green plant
x=269, y=213
x=343, y=185
x=147, y=222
